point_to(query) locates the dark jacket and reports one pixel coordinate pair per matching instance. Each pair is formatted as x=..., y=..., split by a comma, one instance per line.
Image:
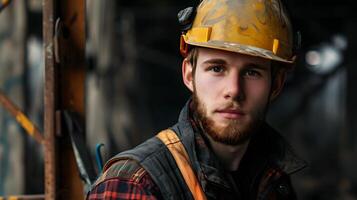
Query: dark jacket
x=263, y=173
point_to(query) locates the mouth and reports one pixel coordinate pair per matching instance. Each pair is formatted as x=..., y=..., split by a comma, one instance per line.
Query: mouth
x=230, y=113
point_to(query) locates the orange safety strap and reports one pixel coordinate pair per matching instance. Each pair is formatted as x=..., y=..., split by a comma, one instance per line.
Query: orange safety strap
x=173, y=143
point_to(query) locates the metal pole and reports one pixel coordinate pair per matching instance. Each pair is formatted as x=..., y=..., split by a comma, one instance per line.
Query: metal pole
x=70, y=37
x=64, y=38
x=49, y=101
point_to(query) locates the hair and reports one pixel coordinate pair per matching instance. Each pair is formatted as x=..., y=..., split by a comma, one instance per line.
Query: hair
x=192, y=58
x=276, y=68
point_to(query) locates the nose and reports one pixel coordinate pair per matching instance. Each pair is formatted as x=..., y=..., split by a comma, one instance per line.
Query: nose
x=233, y=89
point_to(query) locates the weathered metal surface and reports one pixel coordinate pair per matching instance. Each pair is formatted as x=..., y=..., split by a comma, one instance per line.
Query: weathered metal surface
x=72, y=54
x=49, y=101
x=64, y=90
x=70, y=37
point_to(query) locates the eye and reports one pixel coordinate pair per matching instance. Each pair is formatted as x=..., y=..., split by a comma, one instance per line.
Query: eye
x=252, y=73
x=216, y=69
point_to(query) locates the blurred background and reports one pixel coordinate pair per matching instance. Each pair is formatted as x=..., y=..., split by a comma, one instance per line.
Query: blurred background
x=134, y=88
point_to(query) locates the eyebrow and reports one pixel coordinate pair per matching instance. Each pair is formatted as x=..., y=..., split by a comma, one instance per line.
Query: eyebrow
x=247, y=65
x=257, y=66
x=215, y=61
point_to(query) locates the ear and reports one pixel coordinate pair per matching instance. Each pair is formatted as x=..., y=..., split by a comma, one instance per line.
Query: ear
x=278, y=84
x=187, y=74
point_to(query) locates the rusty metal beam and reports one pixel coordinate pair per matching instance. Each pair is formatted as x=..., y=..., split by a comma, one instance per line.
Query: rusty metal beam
x=49, y=101
x=64, y=37
x=72, y=54
x=71, y=50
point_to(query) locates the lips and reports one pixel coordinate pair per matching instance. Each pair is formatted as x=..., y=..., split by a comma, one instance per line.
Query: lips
x=231, y=113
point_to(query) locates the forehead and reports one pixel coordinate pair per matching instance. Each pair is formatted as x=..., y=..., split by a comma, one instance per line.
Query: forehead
x=233, y=58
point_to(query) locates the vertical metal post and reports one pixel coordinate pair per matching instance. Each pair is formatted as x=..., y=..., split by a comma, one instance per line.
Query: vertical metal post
x=71, y=50
x=64, y=38
x=49, y=100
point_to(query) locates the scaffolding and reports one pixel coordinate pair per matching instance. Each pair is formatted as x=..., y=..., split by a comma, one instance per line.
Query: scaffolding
x=64, y=58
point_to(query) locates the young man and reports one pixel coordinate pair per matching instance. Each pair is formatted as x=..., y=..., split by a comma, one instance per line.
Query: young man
x=236, y=54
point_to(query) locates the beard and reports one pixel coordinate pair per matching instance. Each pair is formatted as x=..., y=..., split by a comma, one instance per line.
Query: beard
x=236, y=131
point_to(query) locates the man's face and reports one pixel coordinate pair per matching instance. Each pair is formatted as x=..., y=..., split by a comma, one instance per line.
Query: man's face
x=231, y=92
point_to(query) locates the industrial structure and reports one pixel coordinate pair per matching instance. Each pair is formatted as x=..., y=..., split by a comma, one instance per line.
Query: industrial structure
x=76, y=73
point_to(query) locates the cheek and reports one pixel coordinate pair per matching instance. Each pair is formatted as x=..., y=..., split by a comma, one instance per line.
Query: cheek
x=207, y=90
x=205, y=85
x=258, y=91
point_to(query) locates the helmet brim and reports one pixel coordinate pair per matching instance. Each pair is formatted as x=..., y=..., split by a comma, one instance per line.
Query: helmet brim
x=243, y=49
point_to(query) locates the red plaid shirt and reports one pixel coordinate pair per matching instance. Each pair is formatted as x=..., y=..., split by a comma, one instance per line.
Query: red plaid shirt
x=125, y=180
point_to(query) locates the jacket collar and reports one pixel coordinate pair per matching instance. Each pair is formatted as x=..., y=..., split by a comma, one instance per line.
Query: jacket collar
x=267, y=144
x=204, y=162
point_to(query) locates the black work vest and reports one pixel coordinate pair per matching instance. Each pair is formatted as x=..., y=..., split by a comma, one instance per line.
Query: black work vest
x=157, y=160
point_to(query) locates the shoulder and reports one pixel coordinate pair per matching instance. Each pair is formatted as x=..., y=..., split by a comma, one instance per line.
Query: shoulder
x=125, y=179
x=124, y=169
x=143, y=151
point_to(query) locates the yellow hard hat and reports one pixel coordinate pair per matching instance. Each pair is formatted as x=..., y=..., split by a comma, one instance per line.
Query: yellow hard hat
x=254, y=27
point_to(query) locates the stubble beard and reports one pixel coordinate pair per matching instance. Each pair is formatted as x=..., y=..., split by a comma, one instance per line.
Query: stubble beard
x=235, y=132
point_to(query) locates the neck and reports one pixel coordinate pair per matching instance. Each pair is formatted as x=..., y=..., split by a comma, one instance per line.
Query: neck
x=229, y=155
